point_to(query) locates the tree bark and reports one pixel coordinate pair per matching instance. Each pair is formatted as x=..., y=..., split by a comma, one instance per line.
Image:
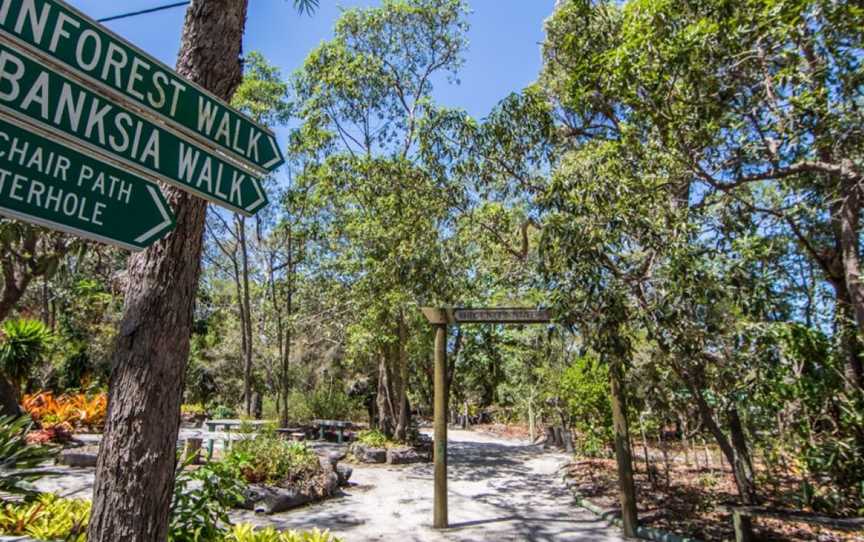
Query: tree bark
x=386, y=410
x=135, y=471
x=401, y=432
x=848, y=336
x=244, y=300
x=735, y=452
x=623, y=452
x=8, y=399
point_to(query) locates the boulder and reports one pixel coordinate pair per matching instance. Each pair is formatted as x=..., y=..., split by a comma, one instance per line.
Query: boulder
x=79, y=457
x=366, y=454
x=344, y=473
x=404, y=455
x=272, y=500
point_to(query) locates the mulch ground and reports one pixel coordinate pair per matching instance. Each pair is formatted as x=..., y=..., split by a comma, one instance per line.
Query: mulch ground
x=686, y=504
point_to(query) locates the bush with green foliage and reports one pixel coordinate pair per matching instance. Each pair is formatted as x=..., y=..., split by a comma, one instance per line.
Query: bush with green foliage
x=374, y=438
x=202, y=499
x=201, y=385
x=248, y=533
x=18, y=458
x=47, y=518
x=23, y=344
x=299, y=410
x=263, y=457
x=585, y=388
x=221, y=412
x=51, y=518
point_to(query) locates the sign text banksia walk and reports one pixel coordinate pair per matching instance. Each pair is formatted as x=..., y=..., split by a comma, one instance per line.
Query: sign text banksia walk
x=60, y=35
x=53, y=185
x=53, y=102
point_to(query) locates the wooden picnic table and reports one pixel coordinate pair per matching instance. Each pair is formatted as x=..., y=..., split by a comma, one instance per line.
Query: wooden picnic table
x=337, y=425
x=226, y=425
x=214, y=425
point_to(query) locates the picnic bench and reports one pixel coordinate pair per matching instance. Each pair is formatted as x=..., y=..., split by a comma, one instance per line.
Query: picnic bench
x=226, y=425
x=742, y=516
x=333, y=425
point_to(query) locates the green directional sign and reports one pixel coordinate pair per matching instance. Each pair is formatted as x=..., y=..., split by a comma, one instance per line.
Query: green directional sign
x=53, y=102
x=53, y=185
x=96, y=57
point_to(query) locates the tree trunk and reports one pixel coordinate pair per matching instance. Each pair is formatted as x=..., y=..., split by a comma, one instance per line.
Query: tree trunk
x=736, y=455
x=8, y=399
x=401, y=432
x=850, y=238
x=247, y=310
x=743, y=463
x=848, y=337
x=135, y=471
x=386, y=410
x=623, y=453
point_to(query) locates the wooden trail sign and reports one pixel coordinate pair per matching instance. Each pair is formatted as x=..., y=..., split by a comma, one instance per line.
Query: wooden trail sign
x=502, y=315
x=71, y=42
x=53, y=185
x=53, y=102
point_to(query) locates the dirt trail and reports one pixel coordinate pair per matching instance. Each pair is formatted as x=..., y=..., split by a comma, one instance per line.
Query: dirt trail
x=500, y=490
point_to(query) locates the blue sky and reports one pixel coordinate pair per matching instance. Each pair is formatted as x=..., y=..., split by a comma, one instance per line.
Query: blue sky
x=504, y=54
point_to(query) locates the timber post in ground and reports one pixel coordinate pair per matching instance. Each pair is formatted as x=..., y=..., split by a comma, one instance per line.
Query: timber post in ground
x=440, y=504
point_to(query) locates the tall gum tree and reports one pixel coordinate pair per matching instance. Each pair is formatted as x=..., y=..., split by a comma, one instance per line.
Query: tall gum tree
x=758, y=102
x=135, y=471
x=364, y=99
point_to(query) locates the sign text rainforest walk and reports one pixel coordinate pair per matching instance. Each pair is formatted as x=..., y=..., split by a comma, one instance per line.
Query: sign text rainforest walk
x=59, y=33
x=107, y=107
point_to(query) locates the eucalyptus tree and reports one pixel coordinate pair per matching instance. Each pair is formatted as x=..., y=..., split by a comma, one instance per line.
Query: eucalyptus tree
x=759, y=103
x=135, y=474
x=364, y=98
x=696, y=140
x=263, y=96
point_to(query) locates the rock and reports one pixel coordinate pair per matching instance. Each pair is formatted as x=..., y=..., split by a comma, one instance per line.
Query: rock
x=344, y=472
x=335, y=457
x=79, y=457
x=331, y=483
x=403, y=456
x=272, y=500
x=366, y=454
x=374, y=455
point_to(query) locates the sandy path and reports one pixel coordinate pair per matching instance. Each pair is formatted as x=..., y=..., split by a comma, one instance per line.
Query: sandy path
x=499, y=490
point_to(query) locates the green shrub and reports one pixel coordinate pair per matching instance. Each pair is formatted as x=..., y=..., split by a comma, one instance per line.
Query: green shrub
x=23, y=345
x=373, y=438
x=47, y=518
x=585, y=388
x=201, y=502
x=329, y=404
x=299, y=410
x=248, y=533
x=222, y=412
x=18, y=458
x=265, y=458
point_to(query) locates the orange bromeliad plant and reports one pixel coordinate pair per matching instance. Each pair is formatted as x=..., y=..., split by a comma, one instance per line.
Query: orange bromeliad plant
x=69, y=412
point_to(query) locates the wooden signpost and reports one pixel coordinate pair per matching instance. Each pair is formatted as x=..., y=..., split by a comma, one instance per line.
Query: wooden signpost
x=118, y=121
x=441, y=318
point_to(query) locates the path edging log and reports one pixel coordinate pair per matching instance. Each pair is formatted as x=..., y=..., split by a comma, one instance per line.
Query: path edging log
x=643, y=533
